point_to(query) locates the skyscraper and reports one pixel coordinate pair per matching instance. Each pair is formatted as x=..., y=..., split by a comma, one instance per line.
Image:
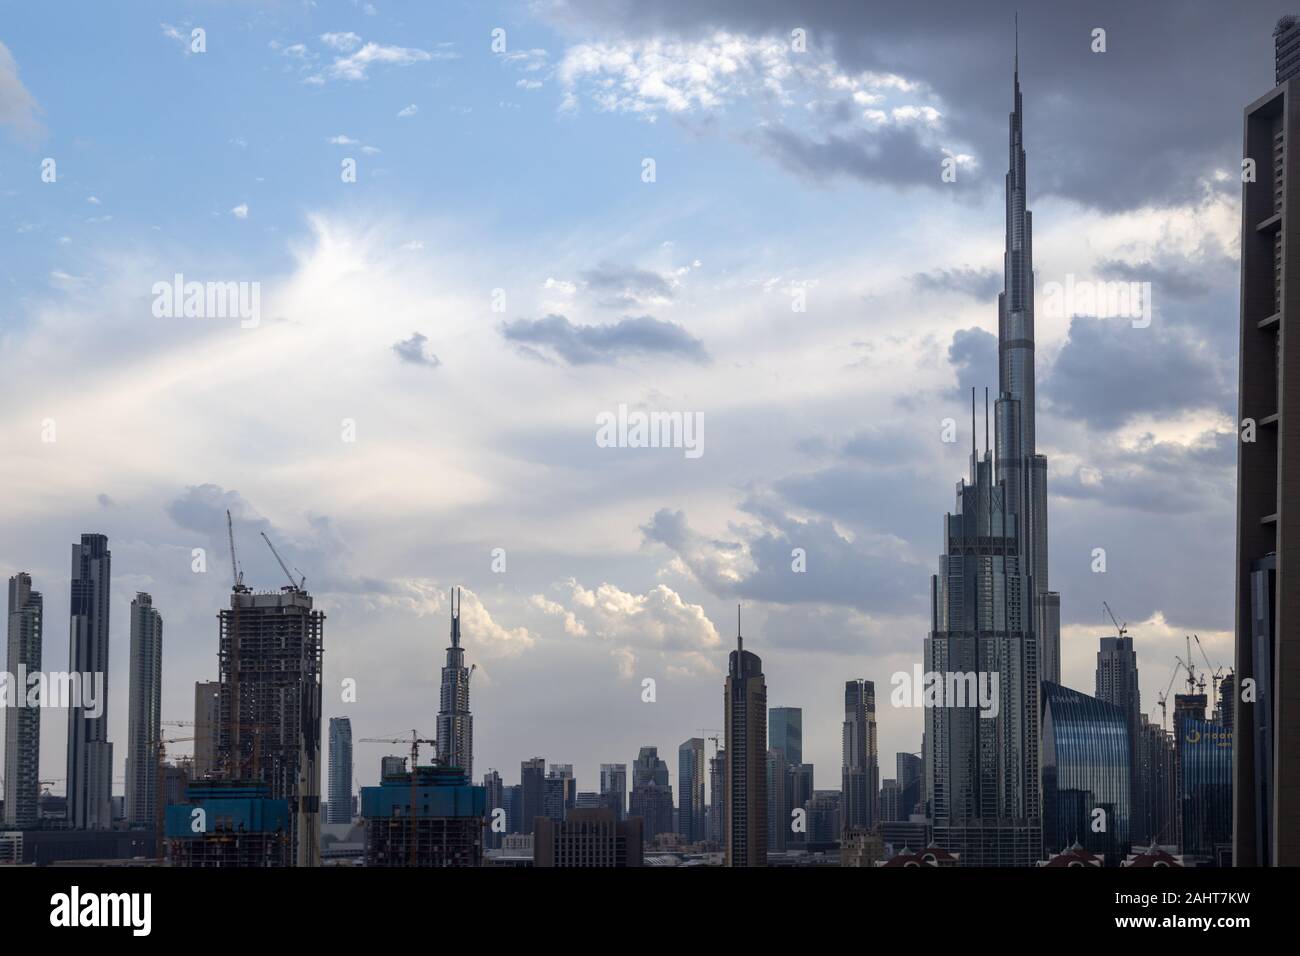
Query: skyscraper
x=145, y=711
x=340, y=772
x=910, y=774
x=860, y=767
x=744, y=705
x=455, y=723
x=784, y=738
x=785, y=732
x=1020, y=469
x=718, y=797
x=23, y=724
x=1117, y=685
x=495, y=792
x=1266, y=772
x=991, y=610
x=270, y=647
x=982, y=761
x=532, y=792
x=560, y=791
x=778, y=793
x=690, y=790
x=90, y=755
x=613, y=787
x=1086, y=774
x=652, y=794
x=207, y=716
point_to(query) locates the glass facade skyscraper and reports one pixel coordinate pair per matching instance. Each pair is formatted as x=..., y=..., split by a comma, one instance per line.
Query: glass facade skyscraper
x=1205, y=764
x=340, y=771
x=1086, y=772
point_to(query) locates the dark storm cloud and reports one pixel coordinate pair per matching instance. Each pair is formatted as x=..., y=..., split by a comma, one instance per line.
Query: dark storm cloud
x=623, y=286
x=1157, y=477
x=981, y=284
x=555, y=335
x=1109, y=372
x=973, y=354
x=412, y=350
x=1139, y=124
x=893, y=155
x=1175, y=281
x=867, y=574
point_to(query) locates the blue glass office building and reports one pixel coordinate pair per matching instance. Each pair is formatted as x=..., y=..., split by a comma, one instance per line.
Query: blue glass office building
x=1205, y=758
x=1086, y=768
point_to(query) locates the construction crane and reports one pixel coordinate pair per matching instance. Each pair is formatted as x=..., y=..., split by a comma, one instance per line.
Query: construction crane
x=236, y=575
x=705, y=733
x=1193, y=685
x=160, y=800
x=1121, y=628
x=1216, y=673
x=416, y=740
x=1163, y=699
x=293, y=585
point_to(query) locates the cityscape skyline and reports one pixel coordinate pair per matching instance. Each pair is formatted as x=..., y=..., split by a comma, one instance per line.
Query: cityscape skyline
x=596, y=580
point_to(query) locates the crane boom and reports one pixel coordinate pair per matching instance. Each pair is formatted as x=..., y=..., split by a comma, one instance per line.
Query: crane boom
x=1121, y=628
x=236, y=576
x=283, y=567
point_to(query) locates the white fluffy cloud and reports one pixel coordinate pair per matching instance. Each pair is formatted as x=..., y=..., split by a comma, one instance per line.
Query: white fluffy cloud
x=658, y=623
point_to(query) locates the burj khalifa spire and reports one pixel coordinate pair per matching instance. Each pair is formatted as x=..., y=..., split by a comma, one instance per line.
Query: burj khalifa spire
x=1018, y=463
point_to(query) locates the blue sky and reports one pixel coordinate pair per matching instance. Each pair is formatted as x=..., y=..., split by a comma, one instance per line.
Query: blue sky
x=780, y=174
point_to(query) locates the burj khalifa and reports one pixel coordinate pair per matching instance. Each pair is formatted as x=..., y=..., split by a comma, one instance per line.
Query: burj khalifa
x=1018, y=463
x=994, y=625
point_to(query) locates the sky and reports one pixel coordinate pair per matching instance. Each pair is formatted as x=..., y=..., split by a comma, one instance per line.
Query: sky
x=474, y=228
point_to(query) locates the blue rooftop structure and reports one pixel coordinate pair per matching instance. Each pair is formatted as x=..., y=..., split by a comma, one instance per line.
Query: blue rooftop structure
x=229, y=807
x=439, y=792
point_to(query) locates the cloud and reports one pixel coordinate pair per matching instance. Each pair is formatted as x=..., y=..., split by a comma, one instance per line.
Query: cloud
x=1108, y=373
x=342, y=139
x=981, y=284
x=1171, y=279
x=624, y=287
x=1155, y=476
x=898, y=156
x=864, y=571
x=18, y=108
x=603, y=344
x=973, y=354
x=631, y=626
x=345, y=42
x=408, y=110
x=931, y=44
x=356, y=65
x=240, y=211
x=412, y=350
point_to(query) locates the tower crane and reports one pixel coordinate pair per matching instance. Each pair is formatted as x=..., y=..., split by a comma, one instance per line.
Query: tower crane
x=293, y=585
x=1216, y=673
x=1122, y=629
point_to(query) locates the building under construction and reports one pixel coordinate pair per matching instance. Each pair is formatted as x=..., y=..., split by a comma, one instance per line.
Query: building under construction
x=269, y=699
x=448, y=819
x=270, y=711
x=229, y=823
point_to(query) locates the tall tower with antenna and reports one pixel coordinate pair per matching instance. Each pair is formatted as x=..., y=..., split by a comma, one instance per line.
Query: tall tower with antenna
x=455, y=722
x=1018, y=463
